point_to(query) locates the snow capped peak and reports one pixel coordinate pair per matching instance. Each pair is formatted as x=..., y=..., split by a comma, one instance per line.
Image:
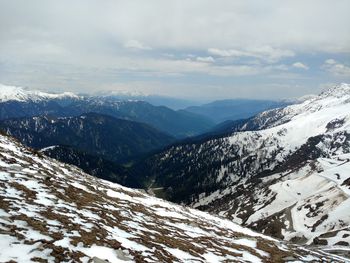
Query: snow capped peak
x=327, y=102
x=122, y=93
x=336, y=95
x=13, y=93
x=305, y=98
x=337, y=91
x=298, y=100
x=126, y=93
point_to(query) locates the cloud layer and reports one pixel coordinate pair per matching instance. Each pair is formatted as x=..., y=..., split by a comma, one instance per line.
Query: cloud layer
x=231, y=44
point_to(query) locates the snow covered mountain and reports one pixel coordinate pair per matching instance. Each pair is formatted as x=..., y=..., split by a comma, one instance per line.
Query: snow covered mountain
x=13, y=93
x=285, y=172
x=52, y=212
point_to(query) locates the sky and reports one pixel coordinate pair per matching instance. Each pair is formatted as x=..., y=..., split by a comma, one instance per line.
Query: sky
x=181, y=48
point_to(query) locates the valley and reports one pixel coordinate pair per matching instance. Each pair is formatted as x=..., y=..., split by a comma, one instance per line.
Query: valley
x=282, y=172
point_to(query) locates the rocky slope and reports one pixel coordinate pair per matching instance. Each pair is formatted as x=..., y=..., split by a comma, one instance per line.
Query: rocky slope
x=289, y=177
x=51, y=212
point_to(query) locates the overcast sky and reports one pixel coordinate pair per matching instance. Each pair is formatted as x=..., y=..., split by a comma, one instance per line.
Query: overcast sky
x=182, y=48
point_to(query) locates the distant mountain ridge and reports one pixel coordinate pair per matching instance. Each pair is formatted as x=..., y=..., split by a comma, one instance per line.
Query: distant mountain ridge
x=16, y=102
x=156, y=100
x=177, y=123
x=234, y=109
x=13, y=93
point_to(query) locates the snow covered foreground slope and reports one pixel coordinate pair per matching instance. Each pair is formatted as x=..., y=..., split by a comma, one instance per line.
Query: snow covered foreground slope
x=51, y=212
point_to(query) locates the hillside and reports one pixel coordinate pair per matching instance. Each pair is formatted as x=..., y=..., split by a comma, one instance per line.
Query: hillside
x=114, y=139
x=54, y=212
x=93, y=165
x=288, y=178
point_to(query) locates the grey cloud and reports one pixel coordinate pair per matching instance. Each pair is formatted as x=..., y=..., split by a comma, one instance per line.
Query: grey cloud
x=186, y=24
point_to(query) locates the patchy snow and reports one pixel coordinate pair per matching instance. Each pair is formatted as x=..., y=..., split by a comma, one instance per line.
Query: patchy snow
x=104, y=252
x=48, y=148
x=59, y=213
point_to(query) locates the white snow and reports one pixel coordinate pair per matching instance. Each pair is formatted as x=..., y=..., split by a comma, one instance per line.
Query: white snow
x=13, y=93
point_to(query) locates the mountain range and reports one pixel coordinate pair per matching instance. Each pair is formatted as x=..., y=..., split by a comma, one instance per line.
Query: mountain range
x=16, y=102
x=283, y=172
x=156, y=100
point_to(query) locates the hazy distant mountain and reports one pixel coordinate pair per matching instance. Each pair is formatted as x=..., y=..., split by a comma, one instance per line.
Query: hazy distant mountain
x=234, y=109
x=114, y=139
x=16, y=102
x=177, y=123
x=156, y=100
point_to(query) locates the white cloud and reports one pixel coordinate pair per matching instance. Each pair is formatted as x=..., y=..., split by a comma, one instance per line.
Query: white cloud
x=134, y=44
x=209, y=59
x=300, y=65
x=336, y=68
x=265, y=53
x=226, y=52
x=330, y=61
